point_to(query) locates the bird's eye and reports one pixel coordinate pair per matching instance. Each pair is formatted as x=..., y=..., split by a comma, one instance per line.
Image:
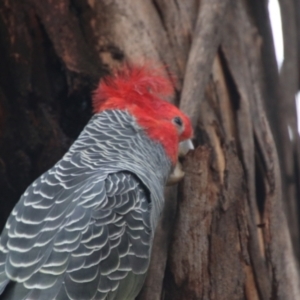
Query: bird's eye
x=177, y=121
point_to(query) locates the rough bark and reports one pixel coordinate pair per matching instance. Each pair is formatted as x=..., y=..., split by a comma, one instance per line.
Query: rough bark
x=232, y=232
x=289, y=86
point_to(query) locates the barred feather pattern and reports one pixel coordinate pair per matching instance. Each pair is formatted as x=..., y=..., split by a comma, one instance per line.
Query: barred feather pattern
x=84, y=229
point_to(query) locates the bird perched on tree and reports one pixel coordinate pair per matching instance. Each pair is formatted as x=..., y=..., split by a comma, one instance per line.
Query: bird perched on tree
x=84, y=229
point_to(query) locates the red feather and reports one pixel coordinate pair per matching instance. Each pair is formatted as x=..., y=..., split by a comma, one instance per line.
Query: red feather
x=142, y=92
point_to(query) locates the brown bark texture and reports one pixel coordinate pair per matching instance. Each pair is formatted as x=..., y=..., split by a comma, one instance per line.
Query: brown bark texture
x=230, y=230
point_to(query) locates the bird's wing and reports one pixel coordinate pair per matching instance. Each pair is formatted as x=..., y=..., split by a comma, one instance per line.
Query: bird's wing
x=77, y=237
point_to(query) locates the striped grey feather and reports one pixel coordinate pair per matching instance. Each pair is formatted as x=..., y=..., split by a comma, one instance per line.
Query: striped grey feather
x=84, y=229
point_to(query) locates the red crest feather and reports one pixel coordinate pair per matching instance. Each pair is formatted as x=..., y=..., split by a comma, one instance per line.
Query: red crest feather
x=134, y=85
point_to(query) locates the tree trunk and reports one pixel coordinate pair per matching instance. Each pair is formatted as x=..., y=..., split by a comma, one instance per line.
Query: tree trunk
x=230, y=230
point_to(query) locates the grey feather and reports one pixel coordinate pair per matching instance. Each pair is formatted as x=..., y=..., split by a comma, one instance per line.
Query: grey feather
x=84, y=229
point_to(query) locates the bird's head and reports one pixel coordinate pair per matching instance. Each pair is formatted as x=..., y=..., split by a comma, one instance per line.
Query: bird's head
x=143, y=92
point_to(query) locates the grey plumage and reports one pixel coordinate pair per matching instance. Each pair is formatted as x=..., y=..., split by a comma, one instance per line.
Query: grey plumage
x=84, y=229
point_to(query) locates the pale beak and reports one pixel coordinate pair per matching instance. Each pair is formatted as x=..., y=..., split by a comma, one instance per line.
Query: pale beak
x=178, y=174
x=185, y=147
